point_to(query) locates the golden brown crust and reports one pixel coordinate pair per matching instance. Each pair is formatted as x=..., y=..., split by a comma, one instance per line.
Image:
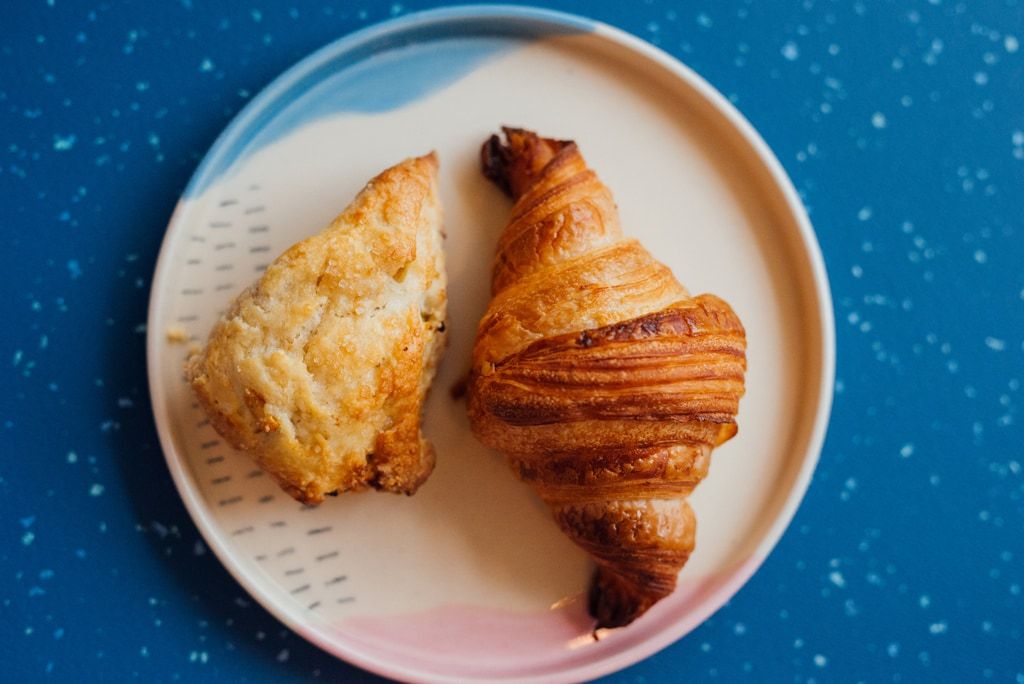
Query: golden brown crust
x=319, y=370
x=604, y=382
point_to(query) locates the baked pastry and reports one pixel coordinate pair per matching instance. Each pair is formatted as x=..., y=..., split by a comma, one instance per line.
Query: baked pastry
x=597, y=374
x=319, y=370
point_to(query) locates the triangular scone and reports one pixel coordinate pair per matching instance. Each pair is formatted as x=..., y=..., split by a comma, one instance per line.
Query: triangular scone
x=319, y=370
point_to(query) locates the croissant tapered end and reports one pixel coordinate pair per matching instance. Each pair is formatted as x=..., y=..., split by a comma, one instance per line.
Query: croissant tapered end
x=515, y=164
x=615, y=603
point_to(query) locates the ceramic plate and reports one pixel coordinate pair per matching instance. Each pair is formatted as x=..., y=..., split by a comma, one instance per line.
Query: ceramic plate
x=470, y=579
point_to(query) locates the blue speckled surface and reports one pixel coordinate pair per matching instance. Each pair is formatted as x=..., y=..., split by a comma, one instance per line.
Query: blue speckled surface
x=902, y=124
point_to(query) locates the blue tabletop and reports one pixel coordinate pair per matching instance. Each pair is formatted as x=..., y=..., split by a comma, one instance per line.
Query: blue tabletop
x=902, y=126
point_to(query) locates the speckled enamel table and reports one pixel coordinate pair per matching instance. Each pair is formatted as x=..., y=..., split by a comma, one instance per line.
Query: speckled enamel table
x=902, y=126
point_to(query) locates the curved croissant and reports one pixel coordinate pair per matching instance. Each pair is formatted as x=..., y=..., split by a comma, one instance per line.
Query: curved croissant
x=600, y=378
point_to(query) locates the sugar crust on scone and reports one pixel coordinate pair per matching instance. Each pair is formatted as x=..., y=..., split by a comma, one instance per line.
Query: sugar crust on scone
x=319, y=370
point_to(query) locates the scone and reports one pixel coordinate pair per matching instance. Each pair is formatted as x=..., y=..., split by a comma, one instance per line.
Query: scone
x=319, y=370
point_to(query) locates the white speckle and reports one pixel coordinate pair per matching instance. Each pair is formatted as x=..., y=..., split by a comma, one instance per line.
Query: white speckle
x=705, y=647
x=924, y=601
x=864, y=214
x=283, y=655
x=981, y=78
x=820, y=660
x=27, y=538
x=893, y=649
x=1015, y=589
x=199, y=549
x=739, y=629
x=833, y=49
x=1010, y=43
x=938, y=628
x=907, y=450
x=74, y=269
x=980, y=256
x=790, y=51
x=206, y=65
x=857, y=271
x=798, y=644
x=878, y=120
x=63, y=143
x=72, y=457
x=96, y=489
x=704, y=20
x=836, y=578
x=995, y=344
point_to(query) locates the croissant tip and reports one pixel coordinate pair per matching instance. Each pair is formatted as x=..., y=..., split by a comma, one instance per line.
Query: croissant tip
x=515, y=163
x=494, y=161
x=610, y=604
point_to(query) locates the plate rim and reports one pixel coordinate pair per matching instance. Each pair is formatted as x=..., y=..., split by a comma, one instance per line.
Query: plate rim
x=184, y=481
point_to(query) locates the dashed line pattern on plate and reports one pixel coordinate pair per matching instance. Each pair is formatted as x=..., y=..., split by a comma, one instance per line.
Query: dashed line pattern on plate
x=232, y=235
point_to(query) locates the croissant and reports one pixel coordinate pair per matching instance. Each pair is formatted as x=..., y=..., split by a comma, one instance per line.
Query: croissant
x=604, y=383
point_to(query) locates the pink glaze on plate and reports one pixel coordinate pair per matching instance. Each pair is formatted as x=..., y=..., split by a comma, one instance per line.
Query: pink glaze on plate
x=486, y=643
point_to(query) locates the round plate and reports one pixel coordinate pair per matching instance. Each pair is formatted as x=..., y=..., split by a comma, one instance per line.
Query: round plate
x=470, y=579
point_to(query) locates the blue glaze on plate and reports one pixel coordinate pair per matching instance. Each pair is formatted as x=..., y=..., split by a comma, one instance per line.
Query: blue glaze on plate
x=376, y=70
